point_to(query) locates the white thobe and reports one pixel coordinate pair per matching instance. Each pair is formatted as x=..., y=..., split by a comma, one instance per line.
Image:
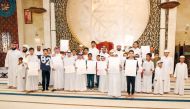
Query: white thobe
x=138, y=79
x=123, y=77
x=80, y=75
x=85, y=57
x=39, y=53
x=21, y=74
x=114, y=76
x=70, y=73
x=181, y=73
x=32, y=80
x=147, y=76
x=101, y=71
x=94, y=52
x=58, y=71
x=11, y=61
x=158, y=81
x=168, y=69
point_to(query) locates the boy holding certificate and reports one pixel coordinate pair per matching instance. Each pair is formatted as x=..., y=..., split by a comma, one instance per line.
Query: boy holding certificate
x=148, y=68
x=33, y=66
x=69, y=67
x=91, y=71
x=131, y=67
x=102, y=72
x=114, y=75
x=80, y=73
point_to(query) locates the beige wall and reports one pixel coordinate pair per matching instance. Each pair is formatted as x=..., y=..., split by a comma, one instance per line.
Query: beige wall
x=183, y=18
x=30, y=30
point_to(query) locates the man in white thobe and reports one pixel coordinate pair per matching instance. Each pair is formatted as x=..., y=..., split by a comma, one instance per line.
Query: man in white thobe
x=69, y=68
x=57, y=70
x=168, y=69
x=25, y=52
x=11, y=62
x=114, y=75
x=136, y=49
x=93, y=50
x=32, y=77
x=181, y=74
x=39, y=52
x=104, y=52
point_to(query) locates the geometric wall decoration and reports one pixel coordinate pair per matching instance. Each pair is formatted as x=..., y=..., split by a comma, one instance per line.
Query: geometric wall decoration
x=8, y=26
x=150, y=36
x=152, y=32
x=62, y=28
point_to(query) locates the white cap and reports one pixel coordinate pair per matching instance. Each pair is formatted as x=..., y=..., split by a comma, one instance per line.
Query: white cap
x=159, y=62
x=26, y=46
x=80, y=45
x=182, y=56
x=112, y=51
x=166, y=51
x=69, y=51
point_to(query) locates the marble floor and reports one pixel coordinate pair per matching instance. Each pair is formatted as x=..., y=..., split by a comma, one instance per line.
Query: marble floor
x=12, y=99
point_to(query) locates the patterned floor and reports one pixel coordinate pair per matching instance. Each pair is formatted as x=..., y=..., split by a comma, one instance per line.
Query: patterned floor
x=12, y=99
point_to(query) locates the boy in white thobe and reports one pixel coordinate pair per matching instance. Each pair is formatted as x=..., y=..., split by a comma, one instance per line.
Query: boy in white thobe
x=102, y=72
x=80, y=74
x=181, y=74
x=158, y=79
x=114, y=76
x=11, y=62
x=57, y=70
x=21, y=75
x=32, y=77
x=69, y=67
x=168, y=68
x=148, y=67
x=138, y=81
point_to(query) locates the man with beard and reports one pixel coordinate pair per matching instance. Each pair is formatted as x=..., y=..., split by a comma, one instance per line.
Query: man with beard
x=11, y=62
x=25, y=52
x=119, y=51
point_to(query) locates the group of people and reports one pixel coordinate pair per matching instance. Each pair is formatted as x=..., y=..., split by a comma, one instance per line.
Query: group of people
x=89, y=68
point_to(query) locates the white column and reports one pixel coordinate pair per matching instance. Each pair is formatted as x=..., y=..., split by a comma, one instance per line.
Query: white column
x=46, y=19
x=162, y=30
x=53, y=27
x=172, y=30
x=20, y=20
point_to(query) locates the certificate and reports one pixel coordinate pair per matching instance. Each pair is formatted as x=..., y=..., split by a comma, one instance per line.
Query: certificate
x=69, y=69
x=64, y=45
x=101, y=66
x=33, y=68
x=130, y=67
x=81, y=66
x=91, y=67
x=145, y=50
